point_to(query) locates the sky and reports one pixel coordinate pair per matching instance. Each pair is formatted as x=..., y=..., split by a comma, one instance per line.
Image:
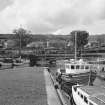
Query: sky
x=52, y=16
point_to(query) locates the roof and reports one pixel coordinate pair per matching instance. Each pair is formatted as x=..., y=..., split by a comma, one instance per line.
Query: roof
x=96, y=93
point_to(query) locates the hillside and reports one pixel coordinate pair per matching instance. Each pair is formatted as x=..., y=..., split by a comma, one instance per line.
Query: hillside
x=97, y=37
x=37, y=37
x=41, y=37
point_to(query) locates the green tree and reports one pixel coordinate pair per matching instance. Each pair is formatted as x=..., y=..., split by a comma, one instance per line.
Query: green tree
x=81, y=38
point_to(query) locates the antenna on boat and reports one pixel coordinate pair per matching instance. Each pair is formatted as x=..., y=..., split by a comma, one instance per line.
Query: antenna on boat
x=65, y=50
x=75, y=46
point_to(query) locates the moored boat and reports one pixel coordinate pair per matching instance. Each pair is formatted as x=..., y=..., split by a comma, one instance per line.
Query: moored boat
x=88, y=95
x=18, y=62
x=75, y=71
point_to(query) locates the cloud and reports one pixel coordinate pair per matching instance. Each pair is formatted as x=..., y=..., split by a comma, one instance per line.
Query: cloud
x=5, y=3
x=51, y=16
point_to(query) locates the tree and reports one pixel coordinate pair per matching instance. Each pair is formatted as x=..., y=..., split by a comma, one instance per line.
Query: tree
x=81, y=39
x=22, y=37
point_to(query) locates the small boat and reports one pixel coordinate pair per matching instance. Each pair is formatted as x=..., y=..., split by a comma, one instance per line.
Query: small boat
x=18, y=62
x=88, y=95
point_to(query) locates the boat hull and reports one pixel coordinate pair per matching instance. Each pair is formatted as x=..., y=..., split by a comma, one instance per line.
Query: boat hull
x=67, y=82
x=76, y=99
x=83, y=78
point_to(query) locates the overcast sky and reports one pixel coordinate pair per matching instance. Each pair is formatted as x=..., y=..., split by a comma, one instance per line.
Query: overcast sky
x=53, y=16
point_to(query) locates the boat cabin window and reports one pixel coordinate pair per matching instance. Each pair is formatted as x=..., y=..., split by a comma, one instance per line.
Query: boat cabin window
x=81, y=96
x=85, y=99
x=67, y=66
x=82, y=66
x=72, y=67
x=87, y=67
x=77, y=66
x=103, y=62
x=78, y=93
x=62, y=70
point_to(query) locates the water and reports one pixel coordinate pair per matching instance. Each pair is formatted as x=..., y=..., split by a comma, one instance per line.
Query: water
x=99, y=82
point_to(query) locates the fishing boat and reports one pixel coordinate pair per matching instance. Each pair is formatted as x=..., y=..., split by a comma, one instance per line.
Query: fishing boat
x=78, y=72
x=88, y=95
x=74, y=71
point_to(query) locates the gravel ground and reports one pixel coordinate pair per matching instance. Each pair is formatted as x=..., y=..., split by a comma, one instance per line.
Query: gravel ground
x=22, y=86
x=53, y=71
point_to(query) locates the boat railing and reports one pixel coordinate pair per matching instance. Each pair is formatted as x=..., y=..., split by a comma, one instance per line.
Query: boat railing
x=78, y=66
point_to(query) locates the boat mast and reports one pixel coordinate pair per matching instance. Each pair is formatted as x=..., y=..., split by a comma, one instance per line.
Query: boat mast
x=75, y=46
x=90, y=81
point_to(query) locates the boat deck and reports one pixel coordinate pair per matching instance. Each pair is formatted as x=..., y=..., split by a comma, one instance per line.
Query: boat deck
x=93, y=90
x=96, y=94
x=99, y=99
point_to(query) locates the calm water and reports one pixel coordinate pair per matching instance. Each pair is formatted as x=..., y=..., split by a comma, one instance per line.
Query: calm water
x=99, y=82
